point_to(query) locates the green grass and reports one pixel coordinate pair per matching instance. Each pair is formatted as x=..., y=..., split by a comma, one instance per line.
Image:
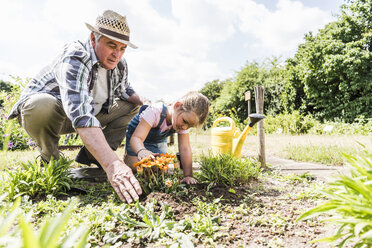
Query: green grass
x=324, y=154
x=153, y=224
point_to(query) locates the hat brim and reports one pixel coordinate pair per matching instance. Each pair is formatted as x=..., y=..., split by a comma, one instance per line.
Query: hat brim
x=91, y=28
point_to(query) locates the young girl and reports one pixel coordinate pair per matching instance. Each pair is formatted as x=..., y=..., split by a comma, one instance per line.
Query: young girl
x=148, y=131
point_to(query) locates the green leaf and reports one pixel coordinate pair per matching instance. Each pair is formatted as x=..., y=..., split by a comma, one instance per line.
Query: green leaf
x=367, y=235
x=52, y=229
x=232, y=191
x=317, y=210
x=359, y=227
x=30, y=240
x=78, y=237
x=10, y=218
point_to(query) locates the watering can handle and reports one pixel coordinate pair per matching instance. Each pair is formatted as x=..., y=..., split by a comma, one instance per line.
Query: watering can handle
x=227, y=119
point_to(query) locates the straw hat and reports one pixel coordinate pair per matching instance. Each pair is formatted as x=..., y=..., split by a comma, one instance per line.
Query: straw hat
x=113, y=26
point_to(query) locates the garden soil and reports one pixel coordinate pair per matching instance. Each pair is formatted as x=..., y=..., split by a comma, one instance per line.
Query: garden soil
x=268, y=207
x=264, y=212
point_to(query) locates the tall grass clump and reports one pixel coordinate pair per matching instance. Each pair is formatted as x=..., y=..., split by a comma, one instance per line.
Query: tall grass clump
x=37, y=178
x=227, y=170
x=349, y=205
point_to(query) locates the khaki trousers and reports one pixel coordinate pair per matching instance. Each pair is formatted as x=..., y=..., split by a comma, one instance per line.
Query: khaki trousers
x=43, y=118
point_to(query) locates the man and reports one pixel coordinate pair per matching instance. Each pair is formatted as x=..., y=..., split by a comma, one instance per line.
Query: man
x=86, y=90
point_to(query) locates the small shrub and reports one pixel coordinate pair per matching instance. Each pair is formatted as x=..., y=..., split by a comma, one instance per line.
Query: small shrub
x=349, y=204
x=38, y=178
x=227, y=170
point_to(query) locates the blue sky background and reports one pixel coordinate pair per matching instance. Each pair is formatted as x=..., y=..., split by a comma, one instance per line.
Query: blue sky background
x=182, y=43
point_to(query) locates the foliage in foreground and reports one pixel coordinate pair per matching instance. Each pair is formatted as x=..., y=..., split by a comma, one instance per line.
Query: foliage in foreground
x=51, y=234
x=38, y=178
x=350, y=204
x=227, y=170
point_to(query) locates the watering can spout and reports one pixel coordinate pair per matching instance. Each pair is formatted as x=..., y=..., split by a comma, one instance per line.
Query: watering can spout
x=239, y=141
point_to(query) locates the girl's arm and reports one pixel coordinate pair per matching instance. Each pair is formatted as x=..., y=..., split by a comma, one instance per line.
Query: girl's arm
x=186, y=158
x=138, y=137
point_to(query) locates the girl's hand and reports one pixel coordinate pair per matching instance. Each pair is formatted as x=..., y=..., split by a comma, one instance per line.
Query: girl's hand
x=189, y=180
x=144, y=153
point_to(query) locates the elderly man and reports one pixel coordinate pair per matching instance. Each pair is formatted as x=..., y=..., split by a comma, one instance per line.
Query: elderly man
x=85, y=89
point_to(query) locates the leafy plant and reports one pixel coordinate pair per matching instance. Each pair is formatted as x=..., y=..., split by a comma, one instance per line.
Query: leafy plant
x=153, y=174
x=51, y=234
x=206, y=221
x=149, y=225
x=349, y=204
x=227, y=170
x=37, y=178
x=201, y=225
x=144, y=224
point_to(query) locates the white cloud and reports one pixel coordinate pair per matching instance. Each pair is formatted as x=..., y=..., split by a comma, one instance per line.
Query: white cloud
x=175, y=49
x=282, y=30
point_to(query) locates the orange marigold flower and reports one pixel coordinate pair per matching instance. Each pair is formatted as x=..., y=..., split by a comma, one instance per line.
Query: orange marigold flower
x=161, y=161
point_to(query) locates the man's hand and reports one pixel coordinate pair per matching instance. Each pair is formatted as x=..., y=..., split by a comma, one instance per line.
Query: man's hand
x=189, y=180
x=123, y=181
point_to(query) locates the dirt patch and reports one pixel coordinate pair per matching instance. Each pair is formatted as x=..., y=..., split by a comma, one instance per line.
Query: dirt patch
x=261, y=214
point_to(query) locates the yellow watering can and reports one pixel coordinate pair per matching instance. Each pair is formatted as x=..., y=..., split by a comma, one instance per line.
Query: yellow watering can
x=229, y=139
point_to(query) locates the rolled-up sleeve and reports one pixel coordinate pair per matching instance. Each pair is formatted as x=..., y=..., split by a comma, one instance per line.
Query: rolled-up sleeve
x=72, y=74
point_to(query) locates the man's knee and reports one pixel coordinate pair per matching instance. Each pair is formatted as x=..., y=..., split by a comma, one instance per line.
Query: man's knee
x=39, y=107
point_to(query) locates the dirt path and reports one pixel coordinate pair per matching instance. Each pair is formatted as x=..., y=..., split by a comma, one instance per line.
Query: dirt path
x=321, y=172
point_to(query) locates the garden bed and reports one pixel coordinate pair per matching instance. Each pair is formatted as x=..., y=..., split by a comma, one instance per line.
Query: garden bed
x=260, y=214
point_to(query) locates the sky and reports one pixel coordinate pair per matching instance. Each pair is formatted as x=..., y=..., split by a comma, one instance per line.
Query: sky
x=182, y=44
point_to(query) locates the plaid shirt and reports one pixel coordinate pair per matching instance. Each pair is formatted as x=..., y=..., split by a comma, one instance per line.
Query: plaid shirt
x=71, y=77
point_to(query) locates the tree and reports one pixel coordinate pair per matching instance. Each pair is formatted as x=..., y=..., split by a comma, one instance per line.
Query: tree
x=212, y=90
x=5, y=86
x=331, y=73
x=269, y=74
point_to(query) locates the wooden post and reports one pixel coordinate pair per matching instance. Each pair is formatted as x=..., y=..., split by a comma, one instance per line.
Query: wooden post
x=259, y=92
x=248, y=99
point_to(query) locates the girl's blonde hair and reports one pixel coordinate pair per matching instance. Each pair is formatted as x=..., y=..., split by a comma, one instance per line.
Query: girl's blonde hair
x=197, y=103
